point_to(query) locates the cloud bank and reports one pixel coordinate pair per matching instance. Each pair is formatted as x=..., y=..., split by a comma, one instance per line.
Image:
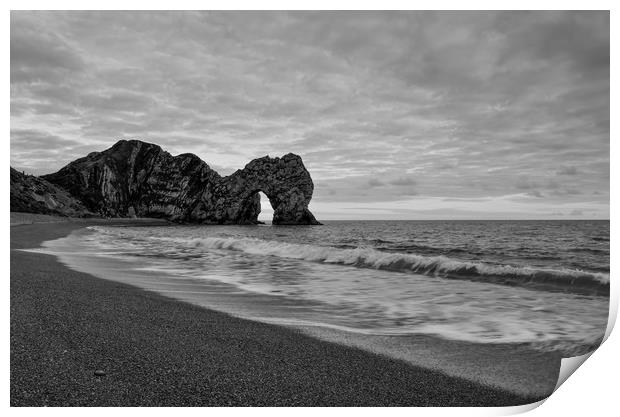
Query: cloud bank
x=396, y=114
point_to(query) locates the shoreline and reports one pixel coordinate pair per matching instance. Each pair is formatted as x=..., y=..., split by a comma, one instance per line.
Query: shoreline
x=161, y=351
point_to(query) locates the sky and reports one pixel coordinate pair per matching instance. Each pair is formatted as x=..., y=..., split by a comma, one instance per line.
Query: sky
x=397, y=115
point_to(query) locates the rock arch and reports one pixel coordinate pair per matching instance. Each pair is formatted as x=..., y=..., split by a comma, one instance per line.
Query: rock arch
x=135, y=178
x=286, y=183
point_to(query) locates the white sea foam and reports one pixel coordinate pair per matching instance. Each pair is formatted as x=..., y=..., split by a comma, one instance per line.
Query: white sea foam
x=439, y=266
x=361, y=290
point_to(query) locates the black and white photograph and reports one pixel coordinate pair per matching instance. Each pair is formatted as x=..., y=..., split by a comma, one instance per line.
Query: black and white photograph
x=329, y=208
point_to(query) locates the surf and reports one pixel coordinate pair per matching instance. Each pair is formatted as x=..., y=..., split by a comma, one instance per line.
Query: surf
x=569, y=280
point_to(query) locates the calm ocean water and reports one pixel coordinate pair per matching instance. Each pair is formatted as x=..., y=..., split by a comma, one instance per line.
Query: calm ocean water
x=543, y=283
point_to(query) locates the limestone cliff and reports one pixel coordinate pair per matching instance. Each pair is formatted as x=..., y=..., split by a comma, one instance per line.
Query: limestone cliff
x=135, y=178
x=30, y=194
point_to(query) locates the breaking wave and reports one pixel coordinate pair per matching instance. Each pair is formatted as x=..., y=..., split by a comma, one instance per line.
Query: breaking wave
x=569, y=280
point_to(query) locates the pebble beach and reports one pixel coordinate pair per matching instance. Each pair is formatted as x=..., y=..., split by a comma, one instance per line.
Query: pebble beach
x=77, y=340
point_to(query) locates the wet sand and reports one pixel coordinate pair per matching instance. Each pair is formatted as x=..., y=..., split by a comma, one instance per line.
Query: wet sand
x=158, y=351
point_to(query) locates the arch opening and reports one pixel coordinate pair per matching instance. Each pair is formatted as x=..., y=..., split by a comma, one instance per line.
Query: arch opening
x=266, y=210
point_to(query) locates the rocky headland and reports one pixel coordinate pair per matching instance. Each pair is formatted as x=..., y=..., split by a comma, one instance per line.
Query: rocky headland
x=139, y=179
x=30, y=194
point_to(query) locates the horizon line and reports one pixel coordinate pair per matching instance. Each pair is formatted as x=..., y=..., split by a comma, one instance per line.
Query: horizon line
x=466, y=220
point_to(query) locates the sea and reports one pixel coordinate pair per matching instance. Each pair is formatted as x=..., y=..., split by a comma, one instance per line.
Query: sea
x=544, y=284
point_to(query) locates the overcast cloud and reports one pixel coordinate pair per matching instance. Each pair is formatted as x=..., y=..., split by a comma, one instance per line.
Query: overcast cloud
x=396, y=114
